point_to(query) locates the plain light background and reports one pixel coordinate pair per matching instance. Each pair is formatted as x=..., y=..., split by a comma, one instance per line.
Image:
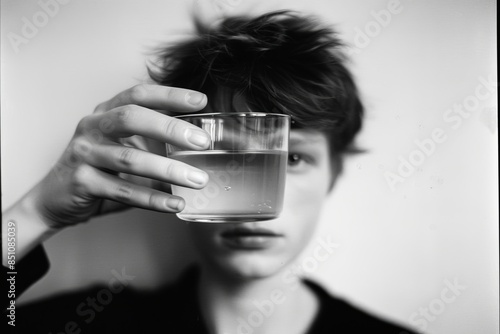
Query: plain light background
x=396, y=247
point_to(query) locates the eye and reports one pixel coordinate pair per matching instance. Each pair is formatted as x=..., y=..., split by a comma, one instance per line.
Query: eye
x=294, y=159
x=300, y=162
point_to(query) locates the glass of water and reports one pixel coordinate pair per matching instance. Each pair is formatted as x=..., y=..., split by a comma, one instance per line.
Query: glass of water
x=246, y=163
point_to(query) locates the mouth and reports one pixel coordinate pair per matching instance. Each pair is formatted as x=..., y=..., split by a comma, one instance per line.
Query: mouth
x=249, y=238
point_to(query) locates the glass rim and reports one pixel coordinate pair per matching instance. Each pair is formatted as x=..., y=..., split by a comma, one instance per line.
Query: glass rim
x=235, y=114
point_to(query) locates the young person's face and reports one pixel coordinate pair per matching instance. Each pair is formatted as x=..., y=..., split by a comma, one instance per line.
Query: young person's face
x=260, y=249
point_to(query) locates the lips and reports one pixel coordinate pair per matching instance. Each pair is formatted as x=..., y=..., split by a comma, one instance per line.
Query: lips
x=249, y=238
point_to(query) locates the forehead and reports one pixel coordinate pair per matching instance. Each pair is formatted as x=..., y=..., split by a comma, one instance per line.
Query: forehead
x=307, y=136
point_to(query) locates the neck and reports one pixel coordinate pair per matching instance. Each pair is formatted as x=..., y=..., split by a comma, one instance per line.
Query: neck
x=261, y=305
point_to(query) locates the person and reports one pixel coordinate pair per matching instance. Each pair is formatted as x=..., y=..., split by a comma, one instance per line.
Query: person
x=280, y=61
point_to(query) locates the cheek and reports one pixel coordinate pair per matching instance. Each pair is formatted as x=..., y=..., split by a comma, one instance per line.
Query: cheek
x=304, y=198
x=305, y=193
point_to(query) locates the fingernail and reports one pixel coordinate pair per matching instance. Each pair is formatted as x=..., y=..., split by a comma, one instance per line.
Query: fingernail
x=198, y=178
x=194, y=98
x=197, y=137
x=175, y=204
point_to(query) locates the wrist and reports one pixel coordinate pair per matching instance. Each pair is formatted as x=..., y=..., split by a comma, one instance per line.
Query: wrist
x=26, y=226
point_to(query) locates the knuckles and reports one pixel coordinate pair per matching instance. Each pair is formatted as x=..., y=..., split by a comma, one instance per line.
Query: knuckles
x=82, y=176
x=170, y=170
x=101, y=107
x=83, y=124
x=81, y=146
x=123, y=192
x=106, y=123
x=138, y=93
x=170, y=127
x=127, y=157
x=124, y=114
x=153, y=201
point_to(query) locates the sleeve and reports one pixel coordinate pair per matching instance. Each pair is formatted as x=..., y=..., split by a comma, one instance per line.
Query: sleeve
x=28, y=270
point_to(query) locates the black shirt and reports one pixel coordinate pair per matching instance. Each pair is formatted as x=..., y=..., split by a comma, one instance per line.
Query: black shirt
x=116, y=308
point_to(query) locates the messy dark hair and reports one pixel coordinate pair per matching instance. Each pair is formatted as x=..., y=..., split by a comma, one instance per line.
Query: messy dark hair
x=280, y=61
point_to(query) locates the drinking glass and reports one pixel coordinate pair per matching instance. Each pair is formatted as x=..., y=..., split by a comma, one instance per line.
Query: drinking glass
x=246, y=163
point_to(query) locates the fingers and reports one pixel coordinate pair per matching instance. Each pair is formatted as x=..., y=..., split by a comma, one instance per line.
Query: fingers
x=99, y=184
x=169, y=99
x=133, y=161
x=132, y=114
x=132, y=120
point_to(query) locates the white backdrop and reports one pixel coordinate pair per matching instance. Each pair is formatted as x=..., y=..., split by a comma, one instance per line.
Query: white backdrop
x=426, y=70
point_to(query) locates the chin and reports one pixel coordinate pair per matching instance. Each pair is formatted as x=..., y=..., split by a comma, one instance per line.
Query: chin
x=248, y=265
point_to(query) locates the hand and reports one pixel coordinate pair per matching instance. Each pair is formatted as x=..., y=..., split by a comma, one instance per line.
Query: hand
x=116, y=158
